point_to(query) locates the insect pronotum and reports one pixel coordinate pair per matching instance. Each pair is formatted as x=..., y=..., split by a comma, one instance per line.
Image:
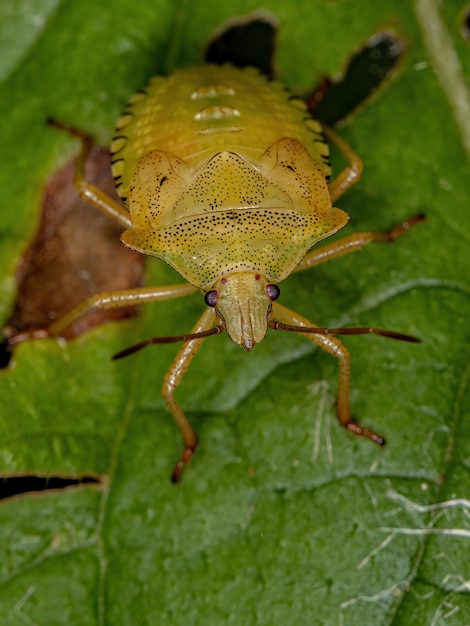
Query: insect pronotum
x=225, y=176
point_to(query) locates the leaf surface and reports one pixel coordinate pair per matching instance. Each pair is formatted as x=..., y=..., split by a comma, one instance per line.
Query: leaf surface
x=282, y=517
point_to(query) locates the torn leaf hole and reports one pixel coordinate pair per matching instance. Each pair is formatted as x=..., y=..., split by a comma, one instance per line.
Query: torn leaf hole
x=75, y=254
x=5, y=354
x=245, y=41
x=13, y=486
x=465, y=23
x=368, y=70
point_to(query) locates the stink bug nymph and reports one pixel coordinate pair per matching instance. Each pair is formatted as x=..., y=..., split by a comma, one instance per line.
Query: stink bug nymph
x=225, y=177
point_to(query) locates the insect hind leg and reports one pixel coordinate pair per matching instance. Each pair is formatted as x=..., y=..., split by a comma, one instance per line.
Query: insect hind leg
x=336, y=348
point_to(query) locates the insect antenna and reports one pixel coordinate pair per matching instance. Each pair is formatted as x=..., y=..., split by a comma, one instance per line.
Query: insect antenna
x=360, y=330
x=171, y=339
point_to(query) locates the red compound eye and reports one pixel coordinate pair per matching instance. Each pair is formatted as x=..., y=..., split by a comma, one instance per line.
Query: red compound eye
x=211, y=298
x=273, y=292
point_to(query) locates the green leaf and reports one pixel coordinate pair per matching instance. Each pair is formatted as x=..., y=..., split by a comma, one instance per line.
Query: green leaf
x=282, y=517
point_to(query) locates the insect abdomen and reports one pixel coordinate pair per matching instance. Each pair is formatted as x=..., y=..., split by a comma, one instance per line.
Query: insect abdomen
x=197, y=112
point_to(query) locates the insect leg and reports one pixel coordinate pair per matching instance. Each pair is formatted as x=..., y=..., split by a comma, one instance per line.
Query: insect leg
x=86, y=190
x=351, y=174
x=355, y=242
x=172, y=379
x=106, y=300
x=336, y=348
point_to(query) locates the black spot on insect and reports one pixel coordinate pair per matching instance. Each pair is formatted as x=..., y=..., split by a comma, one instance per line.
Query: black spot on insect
x=163, y=180
x=232, y=215
x=289, y=167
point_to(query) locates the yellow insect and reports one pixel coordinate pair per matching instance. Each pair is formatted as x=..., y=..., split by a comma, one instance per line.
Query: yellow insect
x=225, y=176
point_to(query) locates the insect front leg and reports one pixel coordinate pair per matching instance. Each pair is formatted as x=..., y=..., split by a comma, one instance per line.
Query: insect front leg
x=106, y=300
x=336, y=348
x=355, y=242
x=86, y=190
x=172, y=379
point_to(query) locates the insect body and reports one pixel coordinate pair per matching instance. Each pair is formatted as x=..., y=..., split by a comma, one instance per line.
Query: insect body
x=225, y=177
x=230, y=197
